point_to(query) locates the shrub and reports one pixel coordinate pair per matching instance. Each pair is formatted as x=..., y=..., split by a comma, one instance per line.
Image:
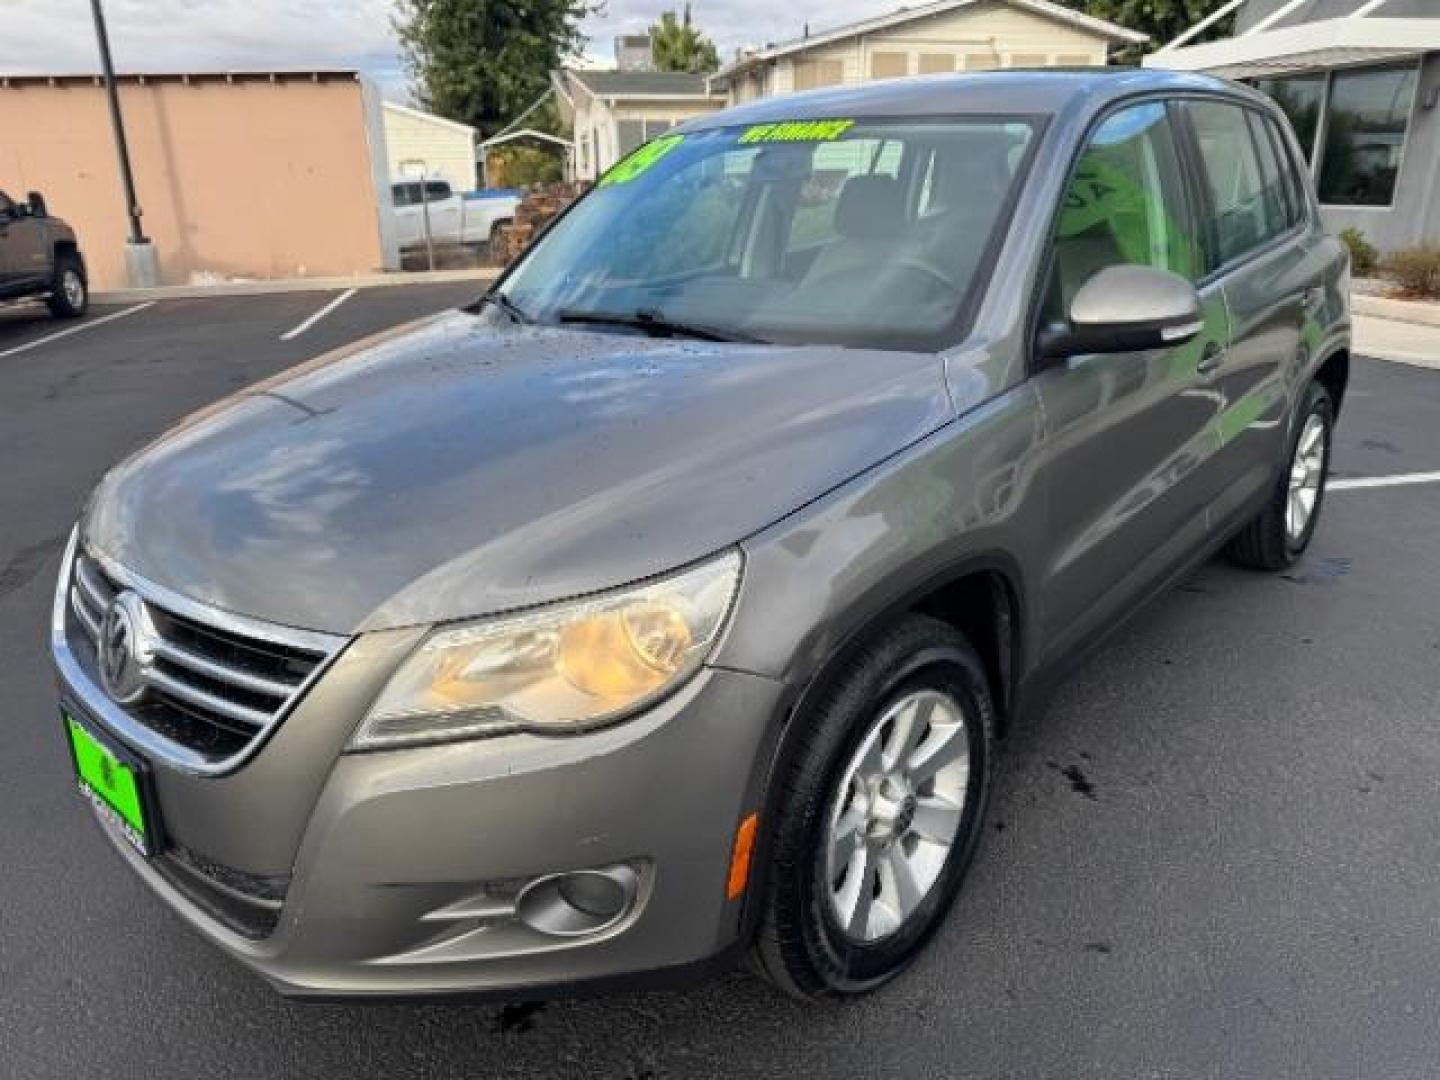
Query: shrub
x=1363, y=256
x=1416, y=270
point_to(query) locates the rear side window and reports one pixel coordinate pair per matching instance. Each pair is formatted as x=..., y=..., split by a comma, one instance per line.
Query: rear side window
x=1290, y=169
x=1274, y=193
x=1125, y=206
x=1244, y=211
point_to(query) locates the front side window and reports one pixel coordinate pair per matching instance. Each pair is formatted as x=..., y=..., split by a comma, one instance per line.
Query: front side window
x=1125, y=205
x=1364, y=136
x=1245, y=211
x=865, y=233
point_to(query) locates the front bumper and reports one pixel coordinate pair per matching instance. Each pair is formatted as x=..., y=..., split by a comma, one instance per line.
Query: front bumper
x=400, y=869
x=400, y=838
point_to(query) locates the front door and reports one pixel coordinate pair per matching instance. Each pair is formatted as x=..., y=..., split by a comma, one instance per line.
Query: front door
x=1127, y=433
x=24, y=255
x=9, y=238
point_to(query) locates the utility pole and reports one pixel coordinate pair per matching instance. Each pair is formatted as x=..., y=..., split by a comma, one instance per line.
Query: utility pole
x=424, y=206
x=140, y=263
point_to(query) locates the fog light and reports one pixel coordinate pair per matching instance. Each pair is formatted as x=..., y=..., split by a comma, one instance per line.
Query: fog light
x=578, y=903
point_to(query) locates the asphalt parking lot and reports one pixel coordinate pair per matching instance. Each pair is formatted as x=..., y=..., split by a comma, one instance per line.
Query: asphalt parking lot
x=1214, y=855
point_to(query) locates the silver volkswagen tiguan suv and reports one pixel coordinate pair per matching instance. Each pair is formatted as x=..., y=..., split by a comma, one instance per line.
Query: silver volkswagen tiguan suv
x=667, y=605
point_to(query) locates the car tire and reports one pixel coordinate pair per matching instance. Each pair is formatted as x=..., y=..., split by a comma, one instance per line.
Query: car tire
x=1275, y=538
x=69, y=292
x=840, y=774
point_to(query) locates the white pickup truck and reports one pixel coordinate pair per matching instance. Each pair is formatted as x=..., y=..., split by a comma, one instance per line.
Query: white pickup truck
x=454, y=218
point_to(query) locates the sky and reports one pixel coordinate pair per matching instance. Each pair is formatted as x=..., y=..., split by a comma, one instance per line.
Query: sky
x=56, y=36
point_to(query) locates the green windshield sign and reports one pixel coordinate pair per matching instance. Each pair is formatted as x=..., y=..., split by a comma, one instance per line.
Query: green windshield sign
x=641, y=160
x=796, y=131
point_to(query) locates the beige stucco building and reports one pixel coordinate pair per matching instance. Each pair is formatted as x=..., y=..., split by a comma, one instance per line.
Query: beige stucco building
x=945, y=35
x=253, y=174
x=446, y=147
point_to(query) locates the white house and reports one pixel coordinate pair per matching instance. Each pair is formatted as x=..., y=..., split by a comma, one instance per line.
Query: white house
x=613, y=112
x=944, y=35
x=447, y=148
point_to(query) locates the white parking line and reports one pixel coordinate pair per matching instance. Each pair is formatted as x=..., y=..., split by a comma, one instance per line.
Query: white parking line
x=1397, y=480
x=313, y=319
x=88, y=324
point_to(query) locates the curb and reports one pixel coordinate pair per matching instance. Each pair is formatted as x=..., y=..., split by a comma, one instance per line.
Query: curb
x=1419, y=312
x=1416, y=344
x=292, y=285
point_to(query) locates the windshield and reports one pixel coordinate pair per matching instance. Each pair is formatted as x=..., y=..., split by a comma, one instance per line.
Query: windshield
x=865, y=233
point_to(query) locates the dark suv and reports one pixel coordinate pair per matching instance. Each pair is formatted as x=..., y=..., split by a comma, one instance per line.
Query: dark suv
x=669, y=602
x=39, y=256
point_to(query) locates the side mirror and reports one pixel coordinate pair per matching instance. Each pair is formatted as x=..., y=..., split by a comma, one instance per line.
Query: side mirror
x=36, y=202
x=1126, y=309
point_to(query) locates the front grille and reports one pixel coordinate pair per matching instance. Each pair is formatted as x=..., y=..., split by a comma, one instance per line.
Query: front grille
x=208, y=687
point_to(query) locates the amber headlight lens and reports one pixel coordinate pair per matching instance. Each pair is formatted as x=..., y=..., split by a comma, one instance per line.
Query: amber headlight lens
x=556, y=669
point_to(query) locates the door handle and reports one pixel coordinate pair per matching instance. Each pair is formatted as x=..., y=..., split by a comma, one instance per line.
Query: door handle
x=1312, y=298
x=1211, y=358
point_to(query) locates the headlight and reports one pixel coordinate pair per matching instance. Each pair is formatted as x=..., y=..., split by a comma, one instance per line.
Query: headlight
x=556, y=669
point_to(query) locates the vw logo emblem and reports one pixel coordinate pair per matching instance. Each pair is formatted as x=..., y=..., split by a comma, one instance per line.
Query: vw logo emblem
x=123, y=649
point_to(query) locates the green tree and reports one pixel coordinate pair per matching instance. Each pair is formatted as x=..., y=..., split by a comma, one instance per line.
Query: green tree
x=1163, y=20
x=482, y=62
x=679, y=46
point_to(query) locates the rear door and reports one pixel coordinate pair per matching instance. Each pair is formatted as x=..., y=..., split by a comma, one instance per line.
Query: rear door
x=1255, y=228
x=1128, y=433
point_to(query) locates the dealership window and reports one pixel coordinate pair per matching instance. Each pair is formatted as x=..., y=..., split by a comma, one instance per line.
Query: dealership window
x=1364, y=135
x=1028, y=60
x=981, y=61
x=1300, y=98
x=934, y=63
x=1352, y=125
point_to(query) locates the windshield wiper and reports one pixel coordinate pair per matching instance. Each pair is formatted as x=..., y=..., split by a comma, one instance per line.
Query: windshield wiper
x=654, y=323
x=505, y=304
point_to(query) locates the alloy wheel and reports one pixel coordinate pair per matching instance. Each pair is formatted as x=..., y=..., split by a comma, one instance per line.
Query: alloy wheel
x=1307, y=473
x=73, y=287
x=896, y=814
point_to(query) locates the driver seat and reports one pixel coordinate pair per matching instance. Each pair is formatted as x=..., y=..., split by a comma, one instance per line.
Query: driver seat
x=870, y=218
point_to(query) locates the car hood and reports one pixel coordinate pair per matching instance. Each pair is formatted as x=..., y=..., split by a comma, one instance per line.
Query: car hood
x=459, y=468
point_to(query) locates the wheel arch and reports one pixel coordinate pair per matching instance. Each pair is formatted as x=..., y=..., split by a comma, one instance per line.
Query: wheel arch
x=1333, y=373
x=66, y=246
x=982, y=595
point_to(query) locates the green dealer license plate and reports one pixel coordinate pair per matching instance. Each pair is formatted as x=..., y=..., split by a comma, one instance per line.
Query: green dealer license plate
x=114, y=786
